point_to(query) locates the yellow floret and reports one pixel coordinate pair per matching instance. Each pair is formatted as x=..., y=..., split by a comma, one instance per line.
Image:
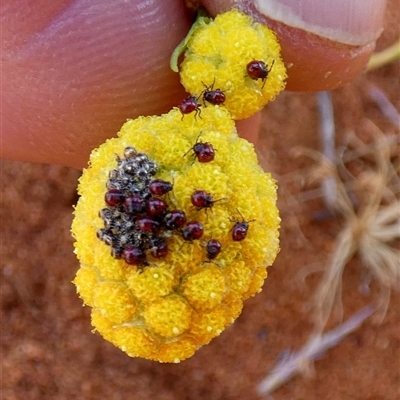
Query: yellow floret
x=114, y=301
x=85, y=281
x=152, y=283
x=216, y=58
x=169, y=316
x=209, y=324
x=167, y=309
x=257, y=281
x=177, y=350
x=239, y=276
x=134, y=341
x=102, y=325
x=205, y=288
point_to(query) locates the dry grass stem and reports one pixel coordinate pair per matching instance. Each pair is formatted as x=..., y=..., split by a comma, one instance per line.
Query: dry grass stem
x=301, y=361
x=386, y=107
x=386, y=56
x=327, y=134
x=366, y=179
x=360, y=184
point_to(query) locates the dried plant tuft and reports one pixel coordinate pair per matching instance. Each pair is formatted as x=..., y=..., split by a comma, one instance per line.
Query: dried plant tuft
x=366, y=186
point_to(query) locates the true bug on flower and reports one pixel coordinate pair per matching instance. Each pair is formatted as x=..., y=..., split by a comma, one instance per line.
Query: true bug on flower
x=134, y=256
x=134, y=204
x=158, y=187
x=239, y=230
x=213, y=248
x=213, y=96
x=203, y=151
x=114, y=197
x=174, y=219
x=156, y=207
x=259, y=70
x=192, y=231
x=189, y=105
x=158, y=248
x=202, y=199
x=146, y=224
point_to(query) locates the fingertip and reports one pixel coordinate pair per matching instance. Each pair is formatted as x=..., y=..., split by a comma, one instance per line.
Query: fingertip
x=323, y=61
x=85, y=68
x=315, y=63
x=249, y=128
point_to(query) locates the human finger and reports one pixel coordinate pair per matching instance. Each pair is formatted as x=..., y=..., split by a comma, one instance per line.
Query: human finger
x=325, y=43
x=74, y=71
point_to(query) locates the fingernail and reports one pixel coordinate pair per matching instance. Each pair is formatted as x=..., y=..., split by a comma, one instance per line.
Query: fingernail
x=354, y=22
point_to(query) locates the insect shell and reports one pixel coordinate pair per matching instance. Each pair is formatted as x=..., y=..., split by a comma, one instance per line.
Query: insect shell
x=106, y=214
x=116, y=252
x=105, y=236
x=137, y=164
x=130, y=152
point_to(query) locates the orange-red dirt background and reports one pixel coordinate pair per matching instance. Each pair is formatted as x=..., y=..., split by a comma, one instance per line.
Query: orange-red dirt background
x=49, y=352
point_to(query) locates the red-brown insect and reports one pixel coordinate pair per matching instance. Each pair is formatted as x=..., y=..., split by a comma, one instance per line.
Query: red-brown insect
x=134, y=204
x=114, y=197
x=189, y=105
x=156, y=206
x=213, y=96
x=158, y=248
x=204, y=152
x=213, y=248
x=192, y=231
x=174, y=219
x=146, y=224
x=158, y=187
x=134, y=256
x=239, y=230
x=259, y=70
x=202, y=199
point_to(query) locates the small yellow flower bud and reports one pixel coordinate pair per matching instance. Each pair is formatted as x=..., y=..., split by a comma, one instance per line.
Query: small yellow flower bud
x=218, y=56
x=205, y=288
x=168, y=316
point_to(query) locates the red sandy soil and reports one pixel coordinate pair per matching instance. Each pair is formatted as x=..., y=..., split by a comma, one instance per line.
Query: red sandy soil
x=49, y=352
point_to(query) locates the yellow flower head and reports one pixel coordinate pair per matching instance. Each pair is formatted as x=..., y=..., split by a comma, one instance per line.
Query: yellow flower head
x=160, y=287
x=239, y=57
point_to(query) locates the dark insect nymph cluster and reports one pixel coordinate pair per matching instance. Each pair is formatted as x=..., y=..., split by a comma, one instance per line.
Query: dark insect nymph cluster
x=137, y=218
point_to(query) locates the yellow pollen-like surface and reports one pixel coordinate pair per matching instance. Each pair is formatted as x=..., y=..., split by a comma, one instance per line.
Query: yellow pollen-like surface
x=217, y=56
x=183, y=296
